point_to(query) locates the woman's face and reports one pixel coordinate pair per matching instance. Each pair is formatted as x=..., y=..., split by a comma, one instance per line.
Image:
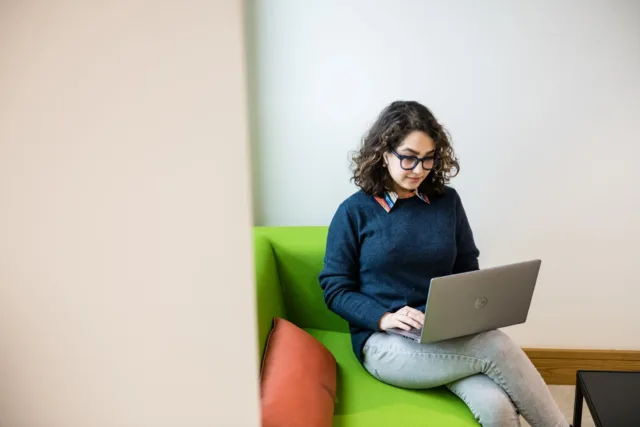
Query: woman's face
x=411, y=163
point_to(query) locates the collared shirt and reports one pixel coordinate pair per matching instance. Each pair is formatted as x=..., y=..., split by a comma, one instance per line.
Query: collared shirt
x=391, y=197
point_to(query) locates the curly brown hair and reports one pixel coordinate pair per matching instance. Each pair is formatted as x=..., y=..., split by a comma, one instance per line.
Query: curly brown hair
x=394, y=123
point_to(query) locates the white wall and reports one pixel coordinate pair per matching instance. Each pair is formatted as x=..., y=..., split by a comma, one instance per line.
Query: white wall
x=542, y=99
x=124, y=230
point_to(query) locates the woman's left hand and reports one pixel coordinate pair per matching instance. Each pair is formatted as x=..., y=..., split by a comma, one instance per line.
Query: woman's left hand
x=405, y=319
x=414, y=314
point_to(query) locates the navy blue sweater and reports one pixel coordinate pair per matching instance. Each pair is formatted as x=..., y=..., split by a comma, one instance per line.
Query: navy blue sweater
x=378, y=261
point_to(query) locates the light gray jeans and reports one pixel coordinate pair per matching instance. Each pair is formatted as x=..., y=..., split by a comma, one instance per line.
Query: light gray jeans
x=488, y=371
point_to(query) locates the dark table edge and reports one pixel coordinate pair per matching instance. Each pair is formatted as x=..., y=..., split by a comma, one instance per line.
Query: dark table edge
x=587, y=396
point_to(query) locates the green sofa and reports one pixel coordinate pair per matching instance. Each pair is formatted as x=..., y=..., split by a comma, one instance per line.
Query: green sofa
x=288, y=260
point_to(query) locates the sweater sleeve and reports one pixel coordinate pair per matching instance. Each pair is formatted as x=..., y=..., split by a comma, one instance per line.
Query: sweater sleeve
x=467, y=252
x=339, y=278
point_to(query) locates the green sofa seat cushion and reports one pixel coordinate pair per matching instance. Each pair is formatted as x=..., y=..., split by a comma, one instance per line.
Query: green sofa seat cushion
x=365, y=401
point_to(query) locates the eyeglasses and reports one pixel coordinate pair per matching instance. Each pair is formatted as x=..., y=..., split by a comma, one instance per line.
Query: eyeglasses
x=410, y=162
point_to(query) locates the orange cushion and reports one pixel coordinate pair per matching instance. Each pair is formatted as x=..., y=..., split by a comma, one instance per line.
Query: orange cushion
x=298, y=379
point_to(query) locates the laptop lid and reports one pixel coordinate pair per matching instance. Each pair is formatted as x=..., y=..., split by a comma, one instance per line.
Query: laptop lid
x=478, y=301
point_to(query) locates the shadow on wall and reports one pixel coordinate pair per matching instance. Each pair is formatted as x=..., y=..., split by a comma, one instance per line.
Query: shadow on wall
x=251, y=49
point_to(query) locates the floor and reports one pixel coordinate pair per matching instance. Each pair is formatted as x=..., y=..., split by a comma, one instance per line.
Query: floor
x=564, y=395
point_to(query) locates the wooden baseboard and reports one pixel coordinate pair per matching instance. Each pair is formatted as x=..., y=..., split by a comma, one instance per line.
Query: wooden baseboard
x=559, y=366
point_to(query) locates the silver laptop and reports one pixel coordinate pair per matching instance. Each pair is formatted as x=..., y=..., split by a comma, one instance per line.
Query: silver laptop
x=477, y=301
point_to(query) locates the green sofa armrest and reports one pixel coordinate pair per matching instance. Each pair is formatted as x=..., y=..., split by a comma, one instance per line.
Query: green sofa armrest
x=268, y=291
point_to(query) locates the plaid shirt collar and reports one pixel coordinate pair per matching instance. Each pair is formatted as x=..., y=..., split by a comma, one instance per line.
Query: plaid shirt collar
x=390, y=198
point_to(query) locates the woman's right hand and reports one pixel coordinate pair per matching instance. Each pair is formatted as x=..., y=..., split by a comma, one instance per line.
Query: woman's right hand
x=406, y=318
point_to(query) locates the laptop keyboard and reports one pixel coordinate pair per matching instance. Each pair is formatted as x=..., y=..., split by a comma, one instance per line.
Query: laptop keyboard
x=415, y=332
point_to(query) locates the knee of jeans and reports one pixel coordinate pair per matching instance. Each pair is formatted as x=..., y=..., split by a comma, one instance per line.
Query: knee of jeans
x=500, y=346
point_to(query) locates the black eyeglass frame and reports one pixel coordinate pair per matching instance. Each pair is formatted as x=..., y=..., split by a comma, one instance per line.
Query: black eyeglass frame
x=416, y=160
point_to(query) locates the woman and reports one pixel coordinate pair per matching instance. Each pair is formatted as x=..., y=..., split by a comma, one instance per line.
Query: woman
x=402, y=228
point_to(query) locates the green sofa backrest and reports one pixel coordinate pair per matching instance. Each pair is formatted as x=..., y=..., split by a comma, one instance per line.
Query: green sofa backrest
x=287, y=278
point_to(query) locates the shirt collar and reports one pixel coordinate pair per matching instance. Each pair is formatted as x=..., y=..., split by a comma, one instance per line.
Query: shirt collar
x=389, y=199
